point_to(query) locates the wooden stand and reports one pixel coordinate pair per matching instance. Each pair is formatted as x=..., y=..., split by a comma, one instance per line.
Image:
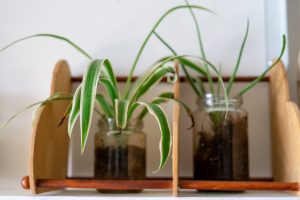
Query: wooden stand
x=49, y=146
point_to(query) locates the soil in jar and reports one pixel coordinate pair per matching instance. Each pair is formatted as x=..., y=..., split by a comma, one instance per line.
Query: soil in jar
x=120, y=163
x=223, y=155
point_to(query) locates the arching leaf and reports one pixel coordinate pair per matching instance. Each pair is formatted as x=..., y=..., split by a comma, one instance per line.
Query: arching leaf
x=87, y=98
x=74, y=110
x=152, y=80
x=51, y=36
x=166, y=140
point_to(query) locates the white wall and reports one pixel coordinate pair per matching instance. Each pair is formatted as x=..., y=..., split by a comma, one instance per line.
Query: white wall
x=293, y=26
x=112, y=29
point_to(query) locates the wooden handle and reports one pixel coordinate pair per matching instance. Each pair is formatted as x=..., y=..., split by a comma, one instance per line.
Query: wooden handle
x=25, y=183
x=160, y=184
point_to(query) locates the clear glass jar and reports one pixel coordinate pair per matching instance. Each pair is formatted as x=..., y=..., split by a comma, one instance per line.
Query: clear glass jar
x=220, y=144
x=120, y=155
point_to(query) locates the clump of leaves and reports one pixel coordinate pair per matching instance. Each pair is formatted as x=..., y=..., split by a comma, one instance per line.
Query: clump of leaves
x=197, y=84
x=121, y=106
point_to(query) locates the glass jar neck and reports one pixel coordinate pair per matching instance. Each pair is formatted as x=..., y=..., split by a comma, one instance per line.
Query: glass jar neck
x=219, y=103
x=109, y=124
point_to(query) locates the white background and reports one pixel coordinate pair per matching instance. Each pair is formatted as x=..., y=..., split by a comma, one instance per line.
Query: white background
x=115, y=29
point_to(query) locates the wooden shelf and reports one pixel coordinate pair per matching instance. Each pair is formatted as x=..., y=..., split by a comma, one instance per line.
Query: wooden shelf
x=49, y=145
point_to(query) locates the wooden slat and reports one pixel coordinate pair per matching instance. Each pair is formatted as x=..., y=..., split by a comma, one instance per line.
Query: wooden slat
x=161, y=184
x=176, y=112
x=183, y=79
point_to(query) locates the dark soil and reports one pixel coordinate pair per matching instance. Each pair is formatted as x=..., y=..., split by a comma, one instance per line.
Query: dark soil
x=128, y=163
x=223, y=156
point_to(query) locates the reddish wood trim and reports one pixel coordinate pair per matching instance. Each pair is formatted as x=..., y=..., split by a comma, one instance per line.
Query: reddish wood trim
x=183, y=79
x=161, y=184
x=263, y=179
x=106, y=184
x=238, y=185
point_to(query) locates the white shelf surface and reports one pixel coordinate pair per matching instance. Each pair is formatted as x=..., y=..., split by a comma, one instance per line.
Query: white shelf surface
x=12, y=194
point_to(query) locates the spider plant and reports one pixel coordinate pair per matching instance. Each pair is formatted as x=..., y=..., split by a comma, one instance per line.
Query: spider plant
x=119, y=105
x=196, y=83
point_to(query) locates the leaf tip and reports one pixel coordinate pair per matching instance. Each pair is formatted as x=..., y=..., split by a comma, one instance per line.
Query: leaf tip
x=82, y=148
x=61, y=121
x=193, y=121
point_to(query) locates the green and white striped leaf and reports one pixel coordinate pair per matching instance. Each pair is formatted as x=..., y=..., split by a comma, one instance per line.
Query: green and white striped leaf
x=201, y=46
x=166, y=140
x=150, y=70
x=215, y=70
x=164, y=98
x=121, y=111
x=110, y=88
x=131, y=109
x=110, y=73
x=87, y=99
x=186, y=108
x=144, y=111
x=192, y=66
x=152, y=31
x=51, y=36
x=188, y=76
x=54, y=97
x=153, y=80
x=104, y=105
x=157, y=100
x=148, y=73
x=74, y=113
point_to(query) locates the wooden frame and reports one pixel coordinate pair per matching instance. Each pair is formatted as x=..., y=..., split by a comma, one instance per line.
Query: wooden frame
x=49, y=146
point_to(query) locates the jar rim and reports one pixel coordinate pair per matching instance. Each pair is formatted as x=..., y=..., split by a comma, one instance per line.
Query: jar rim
x=210, y=100
x=131, y=124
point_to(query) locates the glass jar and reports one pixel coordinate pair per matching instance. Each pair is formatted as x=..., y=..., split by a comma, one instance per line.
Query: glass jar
x=220, y=143
x=120, y=155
